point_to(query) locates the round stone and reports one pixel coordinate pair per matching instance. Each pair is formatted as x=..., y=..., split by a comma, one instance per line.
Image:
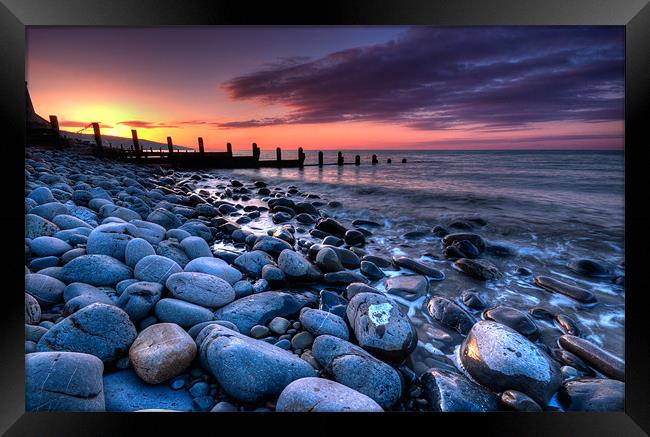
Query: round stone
x=161, y=351
x=322, y=395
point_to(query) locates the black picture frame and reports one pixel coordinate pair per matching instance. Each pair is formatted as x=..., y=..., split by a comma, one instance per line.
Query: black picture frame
x=633, y=14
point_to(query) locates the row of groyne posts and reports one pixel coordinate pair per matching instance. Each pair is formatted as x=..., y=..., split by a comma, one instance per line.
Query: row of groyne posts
x=137, y=152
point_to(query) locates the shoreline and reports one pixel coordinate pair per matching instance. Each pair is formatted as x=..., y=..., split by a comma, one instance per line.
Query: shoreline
x=315, y=302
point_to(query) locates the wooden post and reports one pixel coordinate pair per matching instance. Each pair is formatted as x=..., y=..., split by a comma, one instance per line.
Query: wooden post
x=340, y=159
x=278, y=154
x=374, y=160
x=136, y=143
x=256, y=151
x=54, y=123
x=98, y=137
x=201, y=149
x=357, y=160
x=229, y=149
x=170, y=145
x=403, y=160
x=320, y=159
x=389, y=161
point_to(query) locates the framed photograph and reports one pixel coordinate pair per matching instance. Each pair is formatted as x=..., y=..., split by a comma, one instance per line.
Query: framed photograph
x=429, y=211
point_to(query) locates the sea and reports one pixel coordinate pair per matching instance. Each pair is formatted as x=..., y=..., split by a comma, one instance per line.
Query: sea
x=549, y=207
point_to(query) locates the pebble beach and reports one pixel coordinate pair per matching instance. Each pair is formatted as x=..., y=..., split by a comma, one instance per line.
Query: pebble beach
x=150, y=288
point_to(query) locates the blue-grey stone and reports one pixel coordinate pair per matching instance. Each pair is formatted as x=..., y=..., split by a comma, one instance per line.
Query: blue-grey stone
x=152, y=232
x=251, y=263
x=66, y=221
x=261, y=308
x=124, y=391
x=79, y=288
x=174, y=251
x=137, y=249
x=216, y=267
x=242, y=288
x=195, y=247
x=201, y=289
x=354, y=367
x=139, y=298
x=319, y=322
x=48, y=246
x=110, y=239
x=178, y=234
x=182, y=313
x=72, y=254
x=297, y=267
x=43, y=262
x=98, y=329
x=249, y=370
x=96, y=270
x=63, y=381
x=47, y=290
x=50, y=210
x=41, y=195
x=36, y=226
x=75, y=304
x=164, y=218
x=155, y=268
x=322, y=395
x=197, y=229
x=452, y=392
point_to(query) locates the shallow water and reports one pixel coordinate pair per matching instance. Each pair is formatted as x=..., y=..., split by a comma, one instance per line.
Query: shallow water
x=550, y=207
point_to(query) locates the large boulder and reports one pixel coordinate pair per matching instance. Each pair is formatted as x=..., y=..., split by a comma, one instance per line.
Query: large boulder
x=323, y=395
x=381, y=327
x=47, y=290
x=110, y=239
x=261, y=308
x=63, y=381
x=155, y=268
x=248, y=370
x=354, y=367
x=201, y=289
x=216, y=267
x=500, y=358
x=97, y=270
x=451, y=392
x=297, y=267
x=161, y=352
x=98, y=329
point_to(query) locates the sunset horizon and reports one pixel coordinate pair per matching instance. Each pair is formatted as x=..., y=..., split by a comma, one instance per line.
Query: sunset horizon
x=485, y=88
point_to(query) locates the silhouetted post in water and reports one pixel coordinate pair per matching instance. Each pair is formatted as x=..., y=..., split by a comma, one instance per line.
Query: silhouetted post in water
x=301, y=156
x=201, y=150
x=403, y=160
x=357, y=160
x=256, y=151
x=54, y=123
x=278, y=154
x=320, y=159
x=98, y=137
x=389, y=161
x=170, y=145
x=136, y=144
x=374, y=160
x=122, y=147
x=339, y=160
x=229, y=149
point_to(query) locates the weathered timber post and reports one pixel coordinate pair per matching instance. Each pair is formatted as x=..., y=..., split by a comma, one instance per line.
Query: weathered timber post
x=389, y=161
x=340, y=159
x=403, y=160
x=54, y=123
x=170, y=145
x=136, y=144
x=256, y=151
x=278, y=154
x=98, y=138
x=374, y=160
x=320, y=159
x=301, y=156
x=357, y=160
x=229, y=149
x=201, y=149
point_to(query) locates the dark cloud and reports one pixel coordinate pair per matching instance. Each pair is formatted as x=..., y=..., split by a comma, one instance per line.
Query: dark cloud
x=444, y=78
x=147, y=124
x=80, y=124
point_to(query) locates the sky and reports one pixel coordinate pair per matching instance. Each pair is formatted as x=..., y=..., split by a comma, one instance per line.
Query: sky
x=336, y=87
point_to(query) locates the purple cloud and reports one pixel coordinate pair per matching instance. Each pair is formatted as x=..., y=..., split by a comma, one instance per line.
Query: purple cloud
x=491, y=78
